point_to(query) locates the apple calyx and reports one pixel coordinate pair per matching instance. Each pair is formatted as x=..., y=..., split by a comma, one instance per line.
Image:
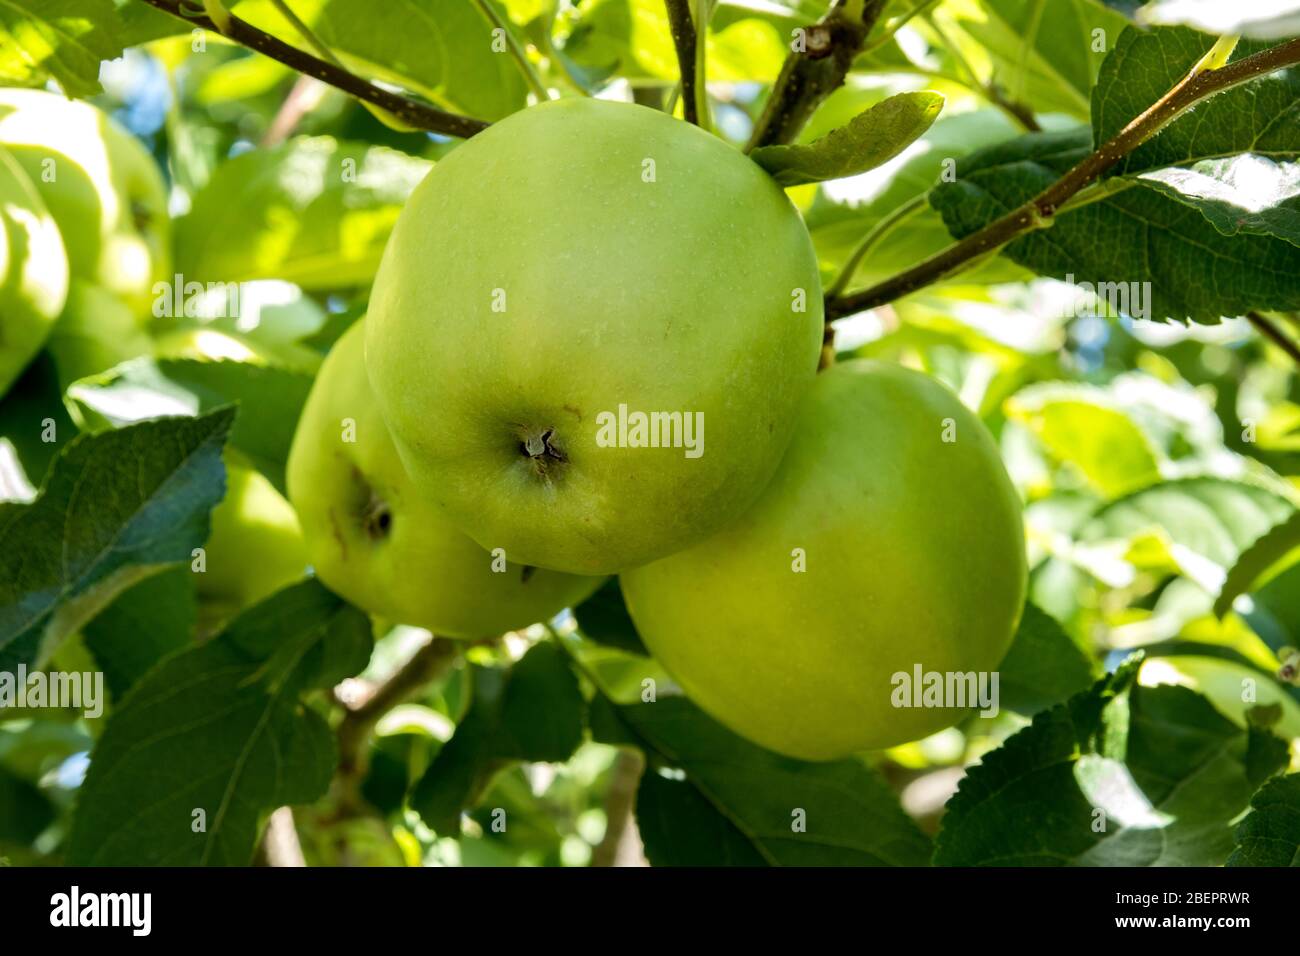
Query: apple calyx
x=538, y=448
x=377, y=518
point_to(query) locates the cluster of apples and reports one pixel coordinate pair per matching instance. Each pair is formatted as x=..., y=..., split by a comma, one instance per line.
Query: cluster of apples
x=592, y=348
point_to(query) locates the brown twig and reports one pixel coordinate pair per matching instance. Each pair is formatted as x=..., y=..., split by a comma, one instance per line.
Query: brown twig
x=1038, y=212
x=617, y=847
x=1270, y=331
x=410, y=112
x=426, y=665
x=809, y=76
x=684, y=40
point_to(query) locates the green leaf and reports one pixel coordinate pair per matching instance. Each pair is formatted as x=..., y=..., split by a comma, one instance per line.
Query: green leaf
x=1270, y=835
x=269, y=399
x=31, y=411
x=534, y=712
x=632, y=37
x=1272, y=552
x=1198, y=526
x=1045, y=53
x=1146, y=64
x=603, y=618
x=24, y=811
x=870, y=139
x=1120, y=775
x=680, y=827
x=315, y=211
x=63, y=40
x=114, y=509
x=1044, y=666
x=214, y=738
x=851, y=817
x=441, y=49
x=1155, y=248
x=142, y=626
x=1274, y=20
x=839, y=217
x=1242, y=194
x=1079, y=424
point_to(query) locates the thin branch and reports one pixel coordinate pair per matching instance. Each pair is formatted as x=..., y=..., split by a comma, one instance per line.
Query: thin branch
x=410, y=112
x=1018, y=112
x=431, y=662
x=1039, y=212
x=1270, y=331
x=811, y=74
x=684, y=40
x=620, y=805
x=517, y=50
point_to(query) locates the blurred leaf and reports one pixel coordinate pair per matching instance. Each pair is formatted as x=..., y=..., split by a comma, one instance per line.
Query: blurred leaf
x=1201, y=525
x=63, y=40
x=1044, y=52
x=1043, y=667
x=1273, y=19
x=603, y=618
x=1079, y=425
x=144, y=624
x=441, y=49
x=852, y=818
x=534, y=712
x=206, y=730
x=632, y=37
x=1273, y=551
x=24, y=810
x=31, y=405
x=1274, y=612
x=680, y=827
x=870, y=139
x=269, y=401
x=314, y=211
x=99, y=527
x=1155, y=246
x=1120, y=775
x=1270, y=835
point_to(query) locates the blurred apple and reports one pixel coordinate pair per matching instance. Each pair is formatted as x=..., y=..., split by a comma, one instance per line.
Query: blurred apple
x=33, y=271
x=96, y=331
x=100, y=184
x=256, y=547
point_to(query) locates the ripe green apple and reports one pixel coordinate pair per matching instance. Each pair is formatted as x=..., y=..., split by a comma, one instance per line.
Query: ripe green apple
x=101, y=186
x=255, y=547
x=33, y=271
x=580, y=264
x=890, y=538
x=96, y=331
x=379, y=542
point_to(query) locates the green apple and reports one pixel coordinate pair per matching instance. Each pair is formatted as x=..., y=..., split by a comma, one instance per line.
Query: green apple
x=889, y=539
x=256, y=546
x=33, y=271
x=379, y=542
x=96, y=331
x=579, y=267
x=102, y=187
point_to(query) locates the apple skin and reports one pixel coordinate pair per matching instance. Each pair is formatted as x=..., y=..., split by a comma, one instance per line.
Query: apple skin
x=107, y=194
x=677, y=295
x=256, y=546
x=379, y=542
x=914, y=555
x=33, y=271
x=96, y=331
